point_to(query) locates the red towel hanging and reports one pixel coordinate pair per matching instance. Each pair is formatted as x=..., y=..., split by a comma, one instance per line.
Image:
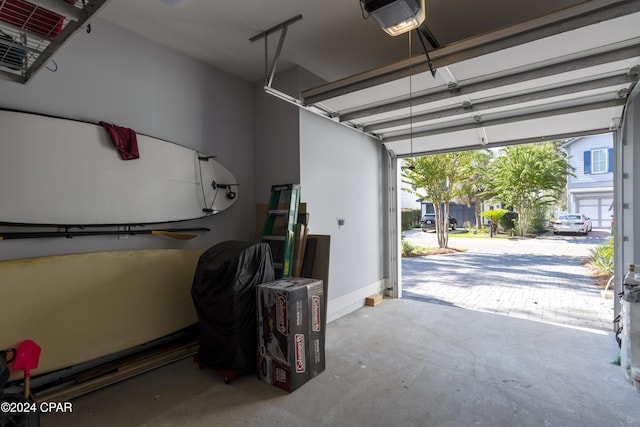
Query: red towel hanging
x=124, y=139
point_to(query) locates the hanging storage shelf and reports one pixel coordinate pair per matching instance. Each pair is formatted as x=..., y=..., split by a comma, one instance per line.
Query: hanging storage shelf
x=32, y=31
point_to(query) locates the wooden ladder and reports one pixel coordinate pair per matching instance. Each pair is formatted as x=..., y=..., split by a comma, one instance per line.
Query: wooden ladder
x=282, y=253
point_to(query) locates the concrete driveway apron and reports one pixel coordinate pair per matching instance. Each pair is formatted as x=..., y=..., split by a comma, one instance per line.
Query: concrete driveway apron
x=541, y=279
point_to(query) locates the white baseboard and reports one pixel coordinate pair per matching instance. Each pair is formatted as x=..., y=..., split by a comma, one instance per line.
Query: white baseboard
x=352, y=301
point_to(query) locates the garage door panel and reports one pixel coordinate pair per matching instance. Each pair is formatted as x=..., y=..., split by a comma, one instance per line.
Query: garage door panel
x=597, y=209
x=549, y=67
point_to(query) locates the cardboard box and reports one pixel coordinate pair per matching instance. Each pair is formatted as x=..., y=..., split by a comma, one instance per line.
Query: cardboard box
x=291, y=335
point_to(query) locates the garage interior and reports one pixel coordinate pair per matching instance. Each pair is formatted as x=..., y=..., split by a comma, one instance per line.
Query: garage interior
x=332, y=102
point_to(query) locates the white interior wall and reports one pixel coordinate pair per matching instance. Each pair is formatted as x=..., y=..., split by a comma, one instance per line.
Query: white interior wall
x=114, y=75
x=343, y=176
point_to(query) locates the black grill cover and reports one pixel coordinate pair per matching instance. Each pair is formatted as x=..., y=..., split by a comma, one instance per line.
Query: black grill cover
x=4, y=372
x=224, y=295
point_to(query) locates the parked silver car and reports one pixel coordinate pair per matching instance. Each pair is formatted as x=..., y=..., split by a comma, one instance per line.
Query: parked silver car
x=572, y=223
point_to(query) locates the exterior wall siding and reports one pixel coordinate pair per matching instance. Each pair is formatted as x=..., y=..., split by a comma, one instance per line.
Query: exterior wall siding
x=590, y=193
x=576, y=151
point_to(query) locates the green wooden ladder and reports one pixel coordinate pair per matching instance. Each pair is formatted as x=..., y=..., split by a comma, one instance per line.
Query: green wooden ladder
x=282, y=253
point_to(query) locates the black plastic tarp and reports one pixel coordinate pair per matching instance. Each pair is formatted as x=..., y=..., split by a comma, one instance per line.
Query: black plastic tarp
x=223, y=293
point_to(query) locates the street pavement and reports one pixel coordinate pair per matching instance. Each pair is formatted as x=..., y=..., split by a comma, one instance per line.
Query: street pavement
x=541, y=279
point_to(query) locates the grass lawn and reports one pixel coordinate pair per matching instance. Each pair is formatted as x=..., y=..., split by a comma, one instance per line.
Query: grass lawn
x=479, y=235
x=411, y=250
x=427, y=250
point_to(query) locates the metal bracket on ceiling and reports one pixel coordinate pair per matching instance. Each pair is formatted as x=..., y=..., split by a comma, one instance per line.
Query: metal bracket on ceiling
x=270, y=73
x=282, y=27
x=425, y=36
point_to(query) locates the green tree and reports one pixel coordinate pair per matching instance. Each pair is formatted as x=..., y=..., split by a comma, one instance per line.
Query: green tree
x=494, y=215
x=474, y=167
x=431, y=178
x=528, y=177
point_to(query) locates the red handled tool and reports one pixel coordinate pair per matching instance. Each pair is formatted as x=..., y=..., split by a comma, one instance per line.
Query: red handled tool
x=26, y=358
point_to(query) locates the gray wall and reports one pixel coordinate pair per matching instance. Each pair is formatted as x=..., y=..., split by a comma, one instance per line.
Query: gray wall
x=342, y=176
x=277, y=131
x=116, y=76
x=119, y=77
x=276, y=136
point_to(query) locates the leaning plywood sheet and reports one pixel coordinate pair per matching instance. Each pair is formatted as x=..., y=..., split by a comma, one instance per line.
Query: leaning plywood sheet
x=81, y=307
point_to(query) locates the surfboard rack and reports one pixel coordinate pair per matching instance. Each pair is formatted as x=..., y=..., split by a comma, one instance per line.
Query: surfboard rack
x=175, y=233
x=227, y=186
x=230, y=194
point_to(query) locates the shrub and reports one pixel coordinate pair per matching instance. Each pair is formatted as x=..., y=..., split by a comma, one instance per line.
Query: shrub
x=494, y=215
x=410, y=218
x=602, y=257
x=538, y=220
x=407, y=248
x=508, y=221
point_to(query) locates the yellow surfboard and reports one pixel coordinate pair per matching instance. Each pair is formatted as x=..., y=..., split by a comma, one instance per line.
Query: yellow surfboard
x=81, y=307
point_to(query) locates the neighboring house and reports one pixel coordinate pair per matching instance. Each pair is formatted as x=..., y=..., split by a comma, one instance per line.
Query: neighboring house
x=591, y=190
x=462, y=213
x=408, y=200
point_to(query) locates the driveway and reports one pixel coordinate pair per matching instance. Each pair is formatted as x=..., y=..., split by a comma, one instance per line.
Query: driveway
x=539, y=279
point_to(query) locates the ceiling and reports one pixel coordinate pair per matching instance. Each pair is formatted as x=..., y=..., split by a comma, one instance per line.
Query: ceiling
x=505, y=71
x=565, y=75
x=502, y=71
x=332, y=40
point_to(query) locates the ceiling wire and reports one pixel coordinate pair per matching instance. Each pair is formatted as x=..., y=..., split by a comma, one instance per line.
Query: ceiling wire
x=410, y=99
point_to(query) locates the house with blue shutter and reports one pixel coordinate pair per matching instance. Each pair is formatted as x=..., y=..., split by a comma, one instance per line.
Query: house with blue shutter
x=590, y=191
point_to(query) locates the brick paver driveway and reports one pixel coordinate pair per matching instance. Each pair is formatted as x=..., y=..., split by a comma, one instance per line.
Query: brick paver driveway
x=540, y=279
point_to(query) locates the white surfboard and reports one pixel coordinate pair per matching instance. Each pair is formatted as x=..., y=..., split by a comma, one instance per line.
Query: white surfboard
x=65, y=172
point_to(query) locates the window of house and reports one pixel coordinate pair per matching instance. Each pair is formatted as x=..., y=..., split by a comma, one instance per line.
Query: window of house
x=598, y=161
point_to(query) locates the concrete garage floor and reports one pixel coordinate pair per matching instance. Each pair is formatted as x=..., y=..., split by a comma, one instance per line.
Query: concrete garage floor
x=401, y=363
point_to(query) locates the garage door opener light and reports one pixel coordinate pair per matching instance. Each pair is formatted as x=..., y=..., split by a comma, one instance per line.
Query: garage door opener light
x=396, y=16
